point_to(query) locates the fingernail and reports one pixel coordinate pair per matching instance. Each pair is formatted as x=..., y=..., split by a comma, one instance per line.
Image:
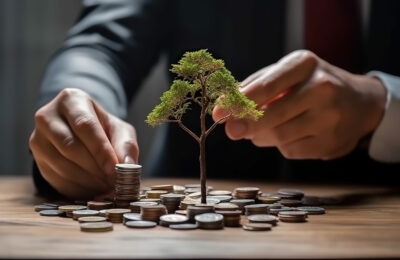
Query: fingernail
x=129, y=159
x=238, y=128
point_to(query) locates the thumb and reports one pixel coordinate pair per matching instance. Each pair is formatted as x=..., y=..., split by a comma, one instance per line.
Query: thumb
x=124, y=140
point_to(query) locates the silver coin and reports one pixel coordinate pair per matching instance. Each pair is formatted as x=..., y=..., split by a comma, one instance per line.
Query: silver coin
x=86, y=212
x=41, y=207
x=209, y=217
x=141, y=224
x=262, y=218
x=312, y=210
x=174, y=218
x=186, y=226
x=132, y=217
x=127, y=166
x=51, y=212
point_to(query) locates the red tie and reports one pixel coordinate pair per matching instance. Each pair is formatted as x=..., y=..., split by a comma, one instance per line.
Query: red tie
x=333, y=31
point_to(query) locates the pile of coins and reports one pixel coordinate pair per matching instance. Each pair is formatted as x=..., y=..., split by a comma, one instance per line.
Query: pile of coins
x=179, y=207
x=127, y=185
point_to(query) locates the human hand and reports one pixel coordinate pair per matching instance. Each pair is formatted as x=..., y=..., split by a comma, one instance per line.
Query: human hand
x=76, y=144
x=313, y=110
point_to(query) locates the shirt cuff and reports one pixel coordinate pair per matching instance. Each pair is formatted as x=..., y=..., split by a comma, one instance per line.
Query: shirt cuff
x=385, y=141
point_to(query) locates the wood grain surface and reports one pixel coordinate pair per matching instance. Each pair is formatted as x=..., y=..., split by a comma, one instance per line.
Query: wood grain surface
x=364, y=224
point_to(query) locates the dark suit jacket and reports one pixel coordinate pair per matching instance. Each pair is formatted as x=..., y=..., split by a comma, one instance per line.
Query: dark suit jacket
x=130, y=35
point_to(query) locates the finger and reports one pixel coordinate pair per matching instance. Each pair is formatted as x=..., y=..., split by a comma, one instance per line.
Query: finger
x=218, y=113
x=305, y=148
x=85, y=124
x=67, y=144
x=254, y=76
x=294, y=129
x=63, y=186
x=291, y=70
x=68, y=170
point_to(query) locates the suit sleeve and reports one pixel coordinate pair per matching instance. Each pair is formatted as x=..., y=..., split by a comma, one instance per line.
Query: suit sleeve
x=385, y=142
x=107, y=53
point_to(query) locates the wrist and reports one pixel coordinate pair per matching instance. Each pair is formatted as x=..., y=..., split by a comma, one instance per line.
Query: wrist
x=374, y=96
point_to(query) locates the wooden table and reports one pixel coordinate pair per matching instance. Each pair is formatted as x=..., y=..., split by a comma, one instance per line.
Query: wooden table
x=367, y=225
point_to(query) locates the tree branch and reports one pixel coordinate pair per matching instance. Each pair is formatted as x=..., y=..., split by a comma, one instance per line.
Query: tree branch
x=189, y=131
x=181, y=125
x=216, y=123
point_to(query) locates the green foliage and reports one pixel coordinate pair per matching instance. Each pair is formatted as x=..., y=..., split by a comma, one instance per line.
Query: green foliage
x=200, y=70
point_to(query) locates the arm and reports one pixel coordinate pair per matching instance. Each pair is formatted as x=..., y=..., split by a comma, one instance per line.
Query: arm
x=78, y=135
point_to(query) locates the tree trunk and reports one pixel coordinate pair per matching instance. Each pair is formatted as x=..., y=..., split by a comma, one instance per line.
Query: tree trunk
x=203, y=172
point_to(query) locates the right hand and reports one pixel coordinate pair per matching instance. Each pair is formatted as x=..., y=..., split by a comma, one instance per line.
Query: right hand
x=76, y=144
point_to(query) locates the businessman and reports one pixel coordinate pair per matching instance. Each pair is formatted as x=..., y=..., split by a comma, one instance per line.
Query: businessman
x=331, y=111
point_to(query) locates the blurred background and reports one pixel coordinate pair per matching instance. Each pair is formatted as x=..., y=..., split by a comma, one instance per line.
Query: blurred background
x=30, y=31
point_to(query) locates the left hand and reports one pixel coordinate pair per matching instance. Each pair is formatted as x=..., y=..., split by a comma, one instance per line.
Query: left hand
x=313, y=110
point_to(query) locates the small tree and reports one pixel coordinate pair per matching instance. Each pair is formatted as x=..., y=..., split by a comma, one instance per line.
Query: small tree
x=205, y=81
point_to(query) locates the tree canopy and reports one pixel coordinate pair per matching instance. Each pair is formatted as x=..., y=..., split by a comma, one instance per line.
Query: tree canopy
x=204, y=80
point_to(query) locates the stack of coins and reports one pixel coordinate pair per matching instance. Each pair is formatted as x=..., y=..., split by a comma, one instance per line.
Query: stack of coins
x=178, y=189
x=210, y=221
x=312, y=210
x=220, y=198
x=256, y=209
x=84, y=213
x=275, y=211
x=172, y=219
x=68, y=209
x=171, y=201
x=242, y=202
x=246, y=192
x=99, y=205
x=263, y=218
x=116, y=215
x=153, y=213
x=231, y=218
x=290, y=202
x=192, y=211
x=220, y=193
x=135, y=206
x=292, y=216
x=127, y=184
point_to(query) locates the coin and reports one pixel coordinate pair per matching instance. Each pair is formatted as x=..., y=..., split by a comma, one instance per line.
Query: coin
x=51, y=212
x=155, y=194
x=131, y=217
x=292, y=216
x=135, y=206
x=141, y=224
x=231, y=217
x=166, y=187
x=116, y=215
x=246, y=192
x=96, y=227
x=290, y=193
x=221, y=198
x=257, y=226
x=210, y=221
x=179, y=189
x=256, y=209
x=84, y=213
x=290, y=202
x=312, y=210
x=99, y=205
x=263, y=218
x=153, y=213
x=91, y=219
x=220, y=192
x=68, y=209
x=41, y=207
x=168, y=219
x=226, y=206
x=268, y=199
x=192, y=211
x=186, y=226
